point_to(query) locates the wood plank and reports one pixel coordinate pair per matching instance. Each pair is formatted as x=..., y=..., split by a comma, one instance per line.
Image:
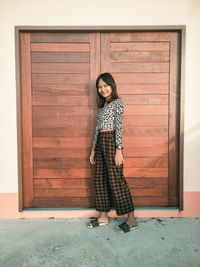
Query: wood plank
x=146, y=162
x=60, y=67
x=150, y=201
x=142, y=88
x=145, y=120
x=155, y=56
x=141, y=77
x=105, y=52
x=71, y=192
x=53, y=99
x=41, y=122
x=151, y=192
x=147, y=182
x=84, y=163
x=146, y=109
x=60, y=47
x=174, y=118
x=64, y=163
x=146, y=172
x=61, y=37
x=57, y=202
x=145, y=141
x=139, y=67
x=145, y=130
x=60, y=121
x=27, y=154
x=139, y=46
x=139, y=36
x=145, y=99
x=62, y=173
x=68, y=89
x=62, y=153
x=95, y=69
x=60, y=57
x=155, y=151
x=60, y=78
x=45, y=111
x=62, y=183
x=61, y=132
x=61, y=142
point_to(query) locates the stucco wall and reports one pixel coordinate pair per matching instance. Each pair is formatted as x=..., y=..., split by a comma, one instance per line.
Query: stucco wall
x=104, y=12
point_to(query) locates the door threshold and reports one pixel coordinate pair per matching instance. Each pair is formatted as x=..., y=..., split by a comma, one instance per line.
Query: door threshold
x=91, y=209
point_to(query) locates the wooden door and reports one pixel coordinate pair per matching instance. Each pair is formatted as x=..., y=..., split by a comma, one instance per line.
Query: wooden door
x=58, y=73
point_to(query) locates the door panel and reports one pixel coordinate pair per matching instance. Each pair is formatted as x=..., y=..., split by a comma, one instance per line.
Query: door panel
x=142, y=66
x=62, y=114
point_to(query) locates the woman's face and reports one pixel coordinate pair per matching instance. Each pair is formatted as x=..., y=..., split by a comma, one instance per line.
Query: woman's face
x=104, y=89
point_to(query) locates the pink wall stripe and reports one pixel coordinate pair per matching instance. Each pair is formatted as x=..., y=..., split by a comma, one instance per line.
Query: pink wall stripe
x=9, y=209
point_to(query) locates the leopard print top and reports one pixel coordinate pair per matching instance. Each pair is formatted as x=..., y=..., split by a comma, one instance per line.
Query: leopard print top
x=111, y=117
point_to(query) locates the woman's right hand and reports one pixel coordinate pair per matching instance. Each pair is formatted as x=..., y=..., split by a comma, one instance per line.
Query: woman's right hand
x=92, y=157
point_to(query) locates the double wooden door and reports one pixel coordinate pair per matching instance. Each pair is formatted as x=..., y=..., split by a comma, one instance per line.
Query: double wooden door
x=58, y=106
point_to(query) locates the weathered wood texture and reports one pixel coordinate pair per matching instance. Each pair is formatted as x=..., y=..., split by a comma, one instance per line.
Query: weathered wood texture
x=27, y=153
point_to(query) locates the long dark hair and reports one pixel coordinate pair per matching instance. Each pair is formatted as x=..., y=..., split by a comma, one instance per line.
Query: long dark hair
x=108, y=79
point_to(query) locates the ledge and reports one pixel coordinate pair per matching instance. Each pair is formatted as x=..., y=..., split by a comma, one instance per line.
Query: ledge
x=93, y=210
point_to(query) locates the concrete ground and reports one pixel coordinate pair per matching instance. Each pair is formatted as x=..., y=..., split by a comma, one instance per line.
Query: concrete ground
x=158, y=242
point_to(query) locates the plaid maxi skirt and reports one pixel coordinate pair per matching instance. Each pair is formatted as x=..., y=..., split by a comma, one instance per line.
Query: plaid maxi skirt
x=109, y=181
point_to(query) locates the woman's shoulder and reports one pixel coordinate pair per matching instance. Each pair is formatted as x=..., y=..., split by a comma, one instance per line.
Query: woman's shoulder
x=119, y=102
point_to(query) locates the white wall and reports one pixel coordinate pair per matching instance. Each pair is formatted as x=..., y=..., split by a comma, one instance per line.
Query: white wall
x=92, y=12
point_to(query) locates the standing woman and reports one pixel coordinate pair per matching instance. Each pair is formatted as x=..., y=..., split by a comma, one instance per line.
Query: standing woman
x=107, y=158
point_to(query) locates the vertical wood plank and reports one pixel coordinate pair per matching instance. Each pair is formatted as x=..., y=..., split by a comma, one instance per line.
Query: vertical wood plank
x=94, y=72
x=174, y=97
x=26, y=100
x=19, y=121
x=181, y=40
x=105, y=52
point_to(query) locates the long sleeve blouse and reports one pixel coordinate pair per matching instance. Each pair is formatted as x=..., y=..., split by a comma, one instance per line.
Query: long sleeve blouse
x=111, y=117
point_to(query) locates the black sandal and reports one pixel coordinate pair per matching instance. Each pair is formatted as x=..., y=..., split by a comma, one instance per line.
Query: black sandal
x=124, y=228
x=96, y=223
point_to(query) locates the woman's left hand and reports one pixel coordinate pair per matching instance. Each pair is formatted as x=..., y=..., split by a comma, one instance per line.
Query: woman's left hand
x=118, y=157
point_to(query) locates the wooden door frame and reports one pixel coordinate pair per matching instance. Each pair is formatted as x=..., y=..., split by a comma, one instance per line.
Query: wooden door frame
x=181, y=29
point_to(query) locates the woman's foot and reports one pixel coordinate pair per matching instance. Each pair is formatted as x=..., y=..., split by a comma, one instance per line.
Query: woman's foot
x=129, y=225
x=102, y=219
x=95, y=223
x=131, y=221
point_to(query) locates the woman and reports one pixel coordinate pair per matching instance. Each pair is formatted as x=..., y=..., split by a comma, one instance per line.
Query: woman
x=107, y=158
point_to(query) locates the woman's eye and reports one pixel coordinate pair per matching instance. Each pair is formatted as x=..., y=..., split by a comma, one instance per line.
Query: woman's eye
x=100, y=87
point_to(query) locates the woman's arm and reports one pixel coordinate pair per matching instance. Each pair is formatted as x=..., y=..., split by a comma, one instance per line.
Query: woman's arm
x=95, y=136
x=119, y=113
x=92, y=161
x=93, y=148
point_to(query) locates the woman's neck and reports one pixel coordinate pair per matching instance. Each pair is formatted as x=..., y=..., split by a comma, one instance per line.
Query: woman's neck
x=107, y=99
